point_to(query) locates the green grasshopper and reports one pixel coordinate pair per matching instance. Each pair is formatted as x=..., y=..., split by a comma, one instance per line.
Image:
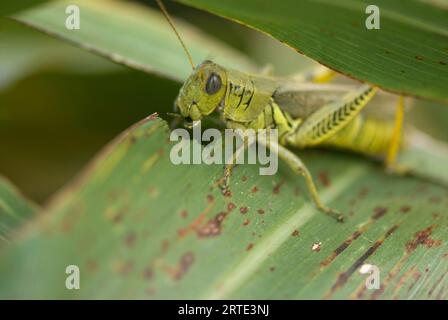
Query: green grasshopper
x=307, y=113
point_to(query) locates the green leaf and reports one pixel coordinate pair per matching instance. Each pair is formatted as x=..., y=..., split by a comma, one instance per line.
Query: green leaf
x=14, y=210
x=133, y=35
x=139, y=226
x=23, y=51
x=426, y=157
x=9, y=7
x=408, y=54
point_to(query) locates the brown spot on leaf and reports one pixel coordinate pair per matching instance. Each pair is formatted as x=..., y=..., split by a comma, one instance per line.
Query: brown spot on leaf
x=435, y=199
x=405, y=209
x=422, y=237
x=246, y=222
x=118, y=217
x=244, y=178
x=277, y=187
x=295, y=233
x=230, y=206
x=210, y=198
x=272, y=269
x=212, y=227
x=324, y=179
x=184, y=213
x=148, y=272
x=196, y=223
x=344, y=245
x=254, y=189
x=244, y=210
x=249, y=246
x=420, y=58
x=129, y=239
x=260, y=211
x=132, y=140
x=184, y=265
x=378, y=212
x=363, y=192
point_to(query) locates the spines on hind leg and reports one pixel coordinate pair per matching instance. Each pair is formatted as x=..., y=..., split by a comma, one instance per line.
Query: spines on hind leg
x=331, y=118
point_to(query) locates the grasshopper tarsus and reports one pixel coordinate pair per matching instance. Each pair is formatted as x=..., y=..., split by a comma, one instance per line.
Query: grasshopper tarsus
x=339, y=217
x=223, y=184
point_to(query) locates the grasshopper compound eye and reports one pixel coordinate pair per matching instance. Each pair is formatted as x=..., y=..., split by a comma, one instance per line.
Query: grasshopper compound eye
x=213, y=84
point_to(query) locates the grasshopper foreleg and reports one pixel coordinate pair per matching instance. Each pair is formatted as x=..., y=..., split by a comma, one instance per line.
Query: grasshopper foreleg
x=224, y=181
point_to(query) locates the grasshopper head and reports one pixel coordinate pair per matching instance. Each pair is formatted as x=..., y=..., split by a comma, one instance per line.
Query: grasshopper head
x=203, y=91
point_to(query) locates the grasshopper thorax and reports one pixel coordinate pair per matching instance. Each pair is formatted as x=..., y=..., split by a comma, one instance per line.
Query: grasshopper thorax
x=203, y=91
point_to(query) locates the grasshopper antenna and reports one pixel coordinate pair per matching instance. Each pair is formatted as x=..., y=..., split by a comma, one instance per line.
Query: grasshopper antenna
x=167, y=16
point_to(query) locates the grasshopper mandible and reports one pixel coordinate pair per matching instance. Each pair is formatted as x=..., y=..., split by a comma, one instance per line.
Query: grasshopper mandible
x=307, y=112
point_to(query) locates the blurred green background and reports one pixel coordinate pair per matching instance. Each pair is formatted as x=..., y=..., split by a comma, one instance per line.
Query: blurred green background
x=59, y=104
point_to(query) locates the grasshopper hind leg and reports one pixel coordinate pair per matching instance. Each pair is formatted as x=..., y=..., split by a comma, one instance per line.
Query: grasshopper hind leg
x=299, y=167
x=294, y=163
x=395, y=143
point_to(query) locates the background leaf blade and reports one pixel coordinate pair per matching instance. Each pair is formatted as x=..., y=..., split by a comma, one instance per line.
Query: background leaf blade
x=14, y=210
x=409, y=53
x=146, y=41
x=10, y=7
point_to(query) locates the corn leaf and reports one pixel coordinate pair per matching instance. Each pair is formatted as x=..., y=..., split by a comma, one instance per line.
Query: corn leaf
x=138, y=226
